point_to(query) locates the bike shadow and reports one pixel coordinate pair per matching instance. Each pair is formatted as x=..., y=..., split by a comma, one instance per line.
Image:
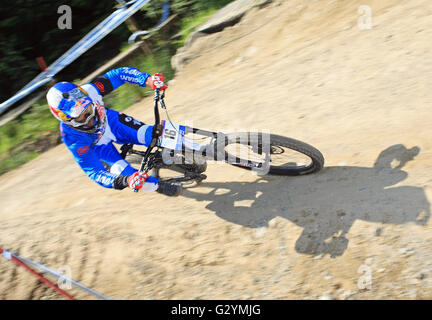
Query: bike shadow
x=325, y=204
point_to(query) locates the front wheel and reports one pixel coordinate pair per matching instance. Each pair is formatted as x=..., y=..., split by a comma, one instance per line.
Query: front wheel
x=180, y=171
x=270, y=153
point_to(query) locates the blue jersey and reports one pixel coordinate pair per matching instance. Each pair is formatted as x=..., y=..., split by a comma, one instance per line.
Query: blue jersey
x=95, y=153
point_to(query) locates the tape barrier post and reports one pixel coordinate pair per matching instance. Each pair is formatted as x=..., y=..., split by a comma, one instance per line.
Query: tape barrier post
x=59, y=275
x=10, y=256
x=54, y=273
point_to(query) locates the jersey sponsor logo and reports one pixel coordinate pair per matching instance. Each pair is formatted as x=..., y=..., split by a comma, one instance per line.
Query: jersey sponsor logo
x=103, y=85
x=129, y=121
x=132, y=71
x=105, y=178
x=100, y=86
x=83, y=150
x=129, y=79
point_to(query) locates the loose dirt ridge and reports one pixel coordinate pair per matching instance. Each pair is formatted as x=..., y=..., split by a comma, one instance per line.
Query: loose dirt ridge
x=302, y=69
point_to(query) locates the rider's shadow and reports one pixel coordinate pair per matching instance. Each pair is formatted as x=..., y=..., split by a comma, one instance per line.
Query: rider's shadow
x=325, y=204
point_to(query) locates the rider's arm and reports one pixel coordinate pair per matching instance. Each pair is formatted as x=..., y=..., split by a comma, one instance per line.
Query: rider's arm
x=87, y=159
x=117, y=77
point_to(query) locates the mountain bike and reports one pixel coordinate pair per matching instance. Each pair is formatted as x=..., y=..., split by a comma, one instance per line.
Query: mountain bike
x=175, y=155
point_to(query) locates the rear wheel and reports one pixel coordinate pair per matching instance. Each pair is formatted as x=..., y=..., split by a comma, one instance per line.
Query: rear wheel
x=269, y=153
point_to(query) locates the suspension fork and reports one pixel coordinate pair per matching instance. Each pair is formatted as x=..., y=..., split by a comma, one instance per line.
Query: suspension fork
x=157, y=131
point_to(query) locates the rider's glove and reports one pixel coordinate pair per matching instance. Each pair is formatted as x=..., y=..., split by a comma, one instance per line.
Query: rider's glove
x=136, y=181
x=156, y=81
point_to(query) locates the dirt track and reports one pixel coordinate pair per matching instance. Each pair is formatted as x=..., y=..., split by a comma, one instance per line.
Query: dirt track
x=301, y=70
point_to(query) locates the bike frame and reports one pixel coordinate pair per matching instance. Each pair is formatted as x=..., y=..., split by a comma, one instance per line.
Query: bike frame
x=157, y=133
x=157, y=129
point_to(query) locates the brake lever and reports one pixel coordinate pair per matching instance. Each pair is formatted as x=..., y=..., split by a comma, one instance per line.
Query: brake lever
x=161, y=100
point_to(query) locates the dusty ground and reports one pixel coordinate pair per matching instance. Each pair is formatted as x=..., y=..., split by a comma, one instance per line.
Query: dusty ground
x=301, y=69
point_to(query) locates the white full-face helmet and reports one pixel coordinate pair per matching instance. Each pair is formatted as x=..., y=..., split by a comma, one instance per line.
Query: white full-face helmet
x=72, y=105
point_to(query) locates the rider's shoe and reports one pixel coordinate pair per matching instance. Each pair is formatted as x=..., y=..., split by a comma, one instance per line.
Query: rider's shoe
x=170, y=189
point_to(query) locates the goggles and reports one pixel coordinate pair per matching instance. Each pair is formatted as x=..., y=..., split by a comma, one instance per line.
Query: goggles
x=85, y=116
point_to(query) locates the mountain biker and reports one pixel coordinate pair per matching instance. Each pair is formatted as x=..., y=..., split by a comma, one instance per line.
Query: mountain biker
x=89, y=130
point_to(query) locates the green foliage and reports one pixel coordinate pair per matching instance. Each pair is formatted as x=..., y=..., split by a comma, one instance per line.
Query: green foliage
x=192, y=13
x=15, y=159
x=189, y=24
x=28, y=29
x=19, y=138
x=32, y=125
x=184, y=8
x=23, y=139
x=127, y=95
